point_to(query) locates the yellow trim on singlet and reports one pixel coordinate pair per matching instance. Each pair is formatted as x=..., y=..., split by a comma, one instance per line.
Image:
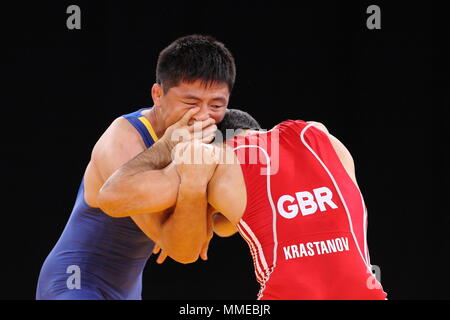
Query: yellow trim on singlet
x=149, y=127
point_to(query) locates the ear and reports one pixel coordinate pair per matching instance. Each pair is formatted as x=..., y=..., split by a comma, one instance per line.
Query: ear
x=157, y=93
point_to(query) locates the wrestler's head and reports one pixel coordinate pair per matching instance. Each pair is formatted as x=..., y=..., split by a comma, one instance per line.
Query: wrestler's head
x=193, y=71
x=235, y=122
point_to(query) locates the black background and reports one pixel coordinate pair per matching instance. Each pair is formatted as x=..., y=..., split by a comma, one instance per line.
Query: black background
x=383, y=93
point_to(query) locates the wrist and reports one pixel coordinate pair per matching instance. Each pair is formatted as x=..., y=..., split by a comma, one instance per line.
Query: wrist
x=166, y=147
x=194, y=184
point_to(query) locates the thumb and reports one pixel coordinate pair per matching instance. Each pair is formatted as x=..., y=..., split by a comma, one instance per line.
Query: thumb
x=205, y=248
x=188, y=115
x=204, y=252
x=161, y=258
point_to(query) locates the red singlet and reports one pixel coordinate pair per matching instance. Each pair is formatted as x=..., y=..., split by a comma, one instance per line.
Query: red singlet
x=305, y=223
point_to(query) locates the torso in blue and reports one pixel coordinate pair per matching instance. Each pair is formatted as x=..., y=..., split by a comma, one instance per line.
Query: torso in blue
x=109, y=253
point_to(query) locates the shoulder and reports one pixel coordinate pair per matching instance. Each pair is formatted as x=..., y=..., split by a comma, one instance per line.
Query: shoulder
x=344, y=156
x=117, y=145
x=338, y=146
x=298, y=125
x=319, y=125
x=341, y=150
x=119, y=135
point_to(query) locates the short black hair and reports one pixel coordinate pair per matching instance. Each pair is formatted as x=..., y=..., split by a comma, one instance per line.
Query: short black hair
x=236, y=120
x=195, y=57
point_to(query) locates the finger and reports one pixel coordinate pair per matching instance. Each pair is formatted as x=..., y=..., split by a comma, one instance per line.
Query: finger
x=209, y=134
x=208, y=138
x=201, y=125
x=204, y=252
x=210, y=129
x=188, y=115
x=208, y=122
x=202, y=117
x=161, y=258
x=198, y=119
x=156, y=249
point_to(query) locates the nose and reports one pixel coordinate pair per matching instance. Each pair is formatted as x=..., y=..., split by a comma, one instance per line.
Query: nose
x=203, y=114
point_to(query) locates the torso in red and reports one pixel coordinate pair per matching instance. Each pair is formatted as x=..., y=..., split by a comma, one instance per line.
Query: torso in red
x=305, y=222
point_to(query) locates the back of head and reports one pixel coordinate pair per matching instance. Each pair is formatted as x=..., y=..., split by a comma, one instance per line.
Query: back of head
x=233, y=123
x=195, y=57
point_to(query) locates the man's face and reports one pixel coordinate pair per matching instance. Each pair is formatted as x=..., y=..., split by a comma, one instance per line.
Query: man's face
x=211, y=99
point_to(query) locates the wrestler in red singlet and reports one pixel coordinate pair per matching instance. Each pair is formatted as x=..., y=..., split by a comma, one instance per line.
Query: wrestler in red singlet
x=306, y=222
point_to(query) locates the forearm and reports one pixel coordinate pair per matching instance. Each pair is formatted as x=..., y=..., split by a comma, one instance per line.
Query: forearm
x=156, y=157
x=185, y=230
x=140, y=186
x=147, y=192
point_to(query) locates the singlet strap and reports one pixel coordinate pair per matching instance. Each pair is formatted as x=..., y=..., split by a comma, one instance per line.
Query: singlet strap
x=143, y=126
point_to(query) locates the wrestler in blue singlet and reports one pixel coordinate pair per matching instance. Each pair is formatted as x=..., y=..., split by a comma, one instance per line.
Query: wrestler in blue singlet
x=109, y=253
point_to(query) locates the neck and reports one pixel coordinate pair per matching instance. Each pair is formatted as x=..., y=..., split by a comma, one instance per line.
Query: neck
x=154, y=118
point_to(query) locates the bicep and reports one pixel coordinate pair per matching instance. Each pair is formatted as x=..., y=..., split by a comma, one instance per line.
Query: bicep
x=115, y=147
x=227, y=192
x=166, y=183
x=222, y=226
x=144, y=192
x=119, y=144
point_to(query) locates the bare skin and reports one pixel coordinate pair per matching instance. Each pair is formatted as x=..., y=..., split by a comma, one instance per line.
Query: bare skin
x=115, y=178
x=226, y=188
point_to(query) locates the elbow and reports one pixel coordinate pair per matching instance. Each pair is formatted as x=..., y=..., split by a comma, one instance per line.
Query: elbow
x=110, y=204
